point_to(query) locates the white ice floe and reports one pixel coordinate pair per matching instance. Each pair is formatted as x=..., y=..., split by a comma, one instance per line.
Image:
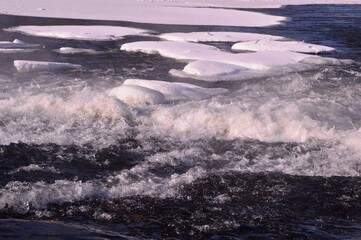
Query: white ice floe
x=38, y=66
x=145, y=92
x=196, y=51
x=217, y=37
x=79, y=32
x=137, y=95
x=70, y=50
x=176, y=90
x=211, y=69
x=270, y=45
x=139, y=11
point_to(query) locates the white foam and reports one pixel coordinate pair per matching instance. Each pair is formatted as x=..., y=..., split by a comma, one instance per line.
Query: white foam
x=176, y=90
x=36, y=66
x=137, y=95
x=217, y=37
x=80, y=32
x=270, y=45
x=229, y=121
x=196, y=51
x=81, y=118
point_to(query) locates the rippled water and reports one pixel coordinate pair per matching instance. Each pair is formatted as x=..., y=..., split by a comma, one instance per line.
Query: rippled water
x=275, y=158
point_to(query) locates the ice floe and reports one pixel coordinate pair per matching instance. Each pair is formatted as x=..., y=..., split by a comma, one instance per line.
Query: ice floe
x=217, y=37
x=79, y=32
x=270, y=45
x=176, y=90
x=145, y=92
x=211, y=69
x=137, y=95
x=39, y=66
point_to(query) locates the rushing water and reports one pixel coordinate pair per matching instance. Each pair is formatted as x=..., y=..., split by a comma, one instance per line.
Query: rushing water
x=275, y=158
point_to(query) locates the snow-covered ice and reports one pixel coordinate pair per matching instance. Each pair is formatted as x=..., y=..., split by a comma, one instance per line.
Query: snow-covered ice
x=217, y=37
x=176, y=90
x=137, y=95
x=79, y=32
x=211, y=69
x=270, y=45
x=39, y=66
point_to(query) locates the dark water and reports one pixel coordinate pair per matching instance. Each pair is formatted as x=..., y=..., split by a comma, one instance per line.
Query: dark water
x=71, y=167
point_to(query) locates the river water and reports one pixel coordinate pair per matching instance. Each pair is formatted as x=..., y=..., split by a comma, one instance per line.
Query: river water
x=275, y=158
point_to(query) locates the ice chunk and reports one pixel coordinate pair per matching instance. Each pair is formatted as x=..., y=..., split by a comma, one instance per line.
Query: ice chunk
x=79, y=32
x=217, y=37
x=176, y=90
x=270, y=45
x=36, y=66
x=137, y=95
x=211, y=69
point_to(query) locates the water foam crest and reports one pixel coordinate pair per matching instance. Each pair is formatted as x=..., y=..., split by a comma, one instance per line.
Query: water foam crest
x=45, y=118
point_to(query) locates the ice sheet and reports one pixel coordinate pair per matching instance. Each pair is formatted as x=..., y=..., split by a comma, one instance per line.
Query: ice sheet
x=94, y=33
